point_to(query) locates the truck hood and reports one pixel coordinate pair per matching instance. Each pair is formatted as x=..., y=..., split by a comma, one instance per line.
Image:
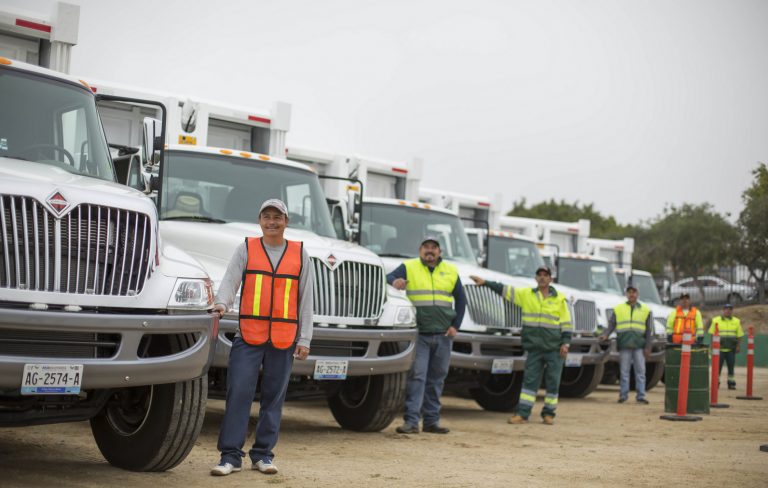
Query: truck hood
x=213, y=244
x=41, y=181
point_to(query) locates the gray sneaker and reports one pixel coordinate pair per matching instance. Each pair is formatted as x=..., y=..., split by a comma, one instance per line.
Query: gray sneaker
x=265, y=467
x=223, y=469
x=407, y=429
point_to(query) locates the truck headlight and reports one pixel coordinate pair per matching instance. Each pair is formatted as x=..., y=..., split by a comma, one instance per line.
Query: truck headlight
x=405, y=316
x=191, y=294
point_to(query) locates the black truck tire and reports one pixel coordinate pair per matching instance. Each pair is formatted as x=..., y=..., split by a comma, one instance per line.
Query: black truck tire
x=580, y=382
x=368, y=403
x=498, y=392
x=610, y=374
x=151, y=428
x=653, y=373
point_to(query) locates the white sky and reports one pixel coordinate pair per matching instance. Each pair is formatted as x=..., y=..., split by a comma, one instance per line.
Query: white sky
x=625, y=104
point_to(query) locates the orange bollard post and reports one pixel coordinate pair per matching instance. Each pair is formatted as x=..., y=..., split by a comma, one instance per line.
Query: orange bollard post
x=682, y=387
x=716, y=371
x=750, y=365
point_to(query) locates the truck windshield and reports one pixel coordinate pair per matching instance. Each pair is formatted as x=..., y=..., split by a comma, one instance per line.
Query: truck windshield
x=211, y=188
x=646, y=288
x=49, y=121
x=513, y=256
x=397, y=231
x=587, y=274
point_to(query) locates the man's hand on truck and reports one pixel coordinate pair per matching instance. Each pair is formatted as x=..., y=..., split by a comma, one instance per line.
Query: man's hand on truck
x=477, y=280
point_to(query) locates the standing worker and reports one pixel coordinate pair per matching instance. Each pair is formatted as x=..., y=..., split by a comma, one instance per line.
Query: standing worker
x=546, y=335
x=434, y=288
x=633, y=324
x=729, y=328
x=684, y=317
x=275, y=280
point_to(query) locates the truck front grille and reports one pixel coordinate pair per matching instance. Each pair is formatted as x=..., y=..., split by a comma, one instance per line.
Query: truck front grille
x=352, y=290
x=42, y=344
x=489, y=309
x=92, y=249
x=585, y=316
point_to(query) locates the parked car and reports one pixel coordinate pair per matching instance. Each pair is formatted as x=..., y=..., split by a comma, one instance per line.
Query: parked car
x=716, y=290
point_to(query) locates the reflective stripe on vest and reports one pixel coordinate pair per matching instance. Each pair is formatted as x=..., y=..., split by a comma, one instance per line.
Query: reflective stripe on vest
x=727, y=327
x=542, y=313
x=630, y=319
x=430, y=289
x=683, y=323
x=269, y=298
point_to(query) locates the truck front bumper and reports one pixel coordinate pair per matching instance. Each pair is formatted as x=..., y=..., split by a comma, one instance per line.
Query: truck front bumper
x=65, y=336
x=359, y=346
x=658, y=345
x=478, y=351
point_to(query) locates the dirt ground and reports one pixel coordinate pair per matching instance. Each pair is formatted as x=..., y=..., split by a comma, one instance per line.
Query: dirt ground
x=595, y=443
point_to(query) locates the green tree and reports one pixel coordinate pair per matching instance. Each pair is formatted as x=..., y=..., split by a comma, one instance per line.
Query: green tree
x=752, y=249
x=694, y=239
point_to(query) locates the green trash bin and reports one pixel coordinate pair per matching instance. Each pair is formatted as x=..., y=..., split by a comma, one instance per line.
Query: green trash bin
x=698, y=381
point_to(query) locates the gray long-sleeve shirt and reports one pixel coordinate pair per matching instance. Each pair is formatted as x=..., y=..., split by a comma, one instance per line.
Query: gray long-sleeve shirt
x=233, y=277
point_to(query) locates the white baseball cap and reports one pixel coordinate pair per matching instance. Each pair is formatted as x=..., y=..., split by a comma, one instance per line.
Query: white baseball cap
x=275, y=203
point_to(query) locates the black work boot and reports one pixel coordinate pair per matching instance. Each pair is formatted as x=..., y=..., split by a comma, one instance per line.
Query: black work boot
x=407, y=429
x=436, y=429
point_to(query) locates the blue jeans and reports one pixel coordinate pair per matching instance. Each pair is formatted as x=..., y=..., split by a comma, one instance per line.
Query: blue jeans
x=245, y=361
x=426, y=379
x=628, y=357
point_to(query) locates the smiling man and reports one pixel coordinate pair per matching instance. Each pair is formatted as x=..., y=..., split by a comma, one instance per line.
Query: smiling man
x=275, y=282
x=434, y=288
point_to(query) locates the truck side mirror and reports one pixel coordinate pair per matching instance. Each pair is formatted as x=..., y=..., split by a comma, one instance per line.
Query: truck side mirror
x=152, y=141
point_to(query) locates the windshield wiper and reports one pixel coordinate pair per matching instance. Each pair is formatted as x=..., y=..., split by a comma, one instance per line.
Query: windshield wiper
x=393, y=255
x=197, y=218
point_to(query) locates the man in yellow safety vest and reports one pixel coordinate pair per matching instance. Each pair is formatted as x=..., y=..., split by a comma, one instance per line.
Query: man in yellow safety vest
x=546, y=338
x=729, y=328
x=434, y=288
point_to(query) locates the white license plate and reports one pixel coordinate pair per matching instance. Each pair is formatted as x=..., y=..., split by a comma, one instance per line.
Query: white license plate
x=51, y=379
x=327, y=369
x=573, y=360
x=502, y=366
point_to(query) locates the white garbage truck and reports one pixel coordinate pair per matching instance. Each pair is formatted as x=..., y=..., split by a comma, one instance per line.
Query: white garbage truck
x=100, y=319
x=597, y=276
x=364, y=335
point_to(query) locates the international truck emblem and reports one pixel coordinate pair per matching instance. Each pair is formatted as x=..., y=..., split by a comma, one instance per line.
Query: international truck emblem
x=58, y=203
x=331, y=261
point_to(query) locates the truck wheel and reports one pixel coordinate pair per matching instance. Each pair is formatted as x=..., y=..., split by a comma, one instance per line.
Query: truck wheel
x=580, y=382
x=653, y=374
x=369, y=403
x=152, y=428
x=610, y=374
x=498, y=392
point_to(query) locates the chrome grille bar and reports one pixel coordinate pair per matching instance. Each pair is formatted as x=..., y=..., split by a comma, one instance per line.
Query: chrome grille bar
x=488, y=308
x=72, y=254
x=585, y=316
x=352, y=290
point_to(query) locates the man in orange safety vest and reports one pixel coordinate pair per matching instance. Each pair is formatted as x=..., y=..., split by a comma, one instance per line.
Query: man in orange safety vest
x=275, y=280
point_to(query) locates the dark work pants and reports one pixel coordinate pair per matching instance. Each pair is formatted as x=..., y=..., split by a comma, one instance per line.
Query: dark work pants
x=730, y=358
x=540, y=363
x=242, y=376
